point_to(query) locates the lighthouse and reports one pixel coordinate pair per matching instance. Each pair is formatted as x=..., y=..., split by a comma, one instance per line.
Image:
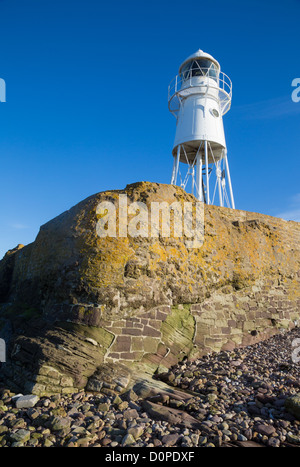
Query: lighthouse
x=199, y=96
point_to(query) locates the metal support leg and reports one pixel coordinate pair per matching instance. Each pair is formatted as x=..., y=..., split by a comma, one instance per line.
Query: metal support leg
x=176, y=166
x=207, y=175
x=199, y=194
x=229, y=181
x=193, y=180
x=173, y=171
x=219, y=174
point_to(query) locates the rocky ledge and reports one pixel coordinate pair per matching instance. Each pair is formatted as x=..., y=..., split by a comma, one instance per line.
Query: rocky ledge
x=246, y=397
x=79, y=311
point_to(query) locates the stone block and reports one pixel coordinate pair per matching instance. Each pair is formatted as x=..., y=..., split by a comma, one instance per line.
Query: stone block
x=149, y=315
x=47, y=380
x=221, y=323
x=114, y=355
x=237, y=339
x=119, y=324
x=35, y=388
x=133, y=323
x=155, y=323
x=229, y=346
x=66, y=381
x=164, y=309
x=249, y=325
x=132, y=332
x=149, y=331
x=207, y=321
x=50, y=372
x=122, y=344
x=214, y=343
x=134, y=356
x=137, y=343
x=150, y=344
x=25, y=402
x=231, y=323
x=161, y=316
x=116, y=331
x=68, y=390
x=197, y=307
x=215, y=330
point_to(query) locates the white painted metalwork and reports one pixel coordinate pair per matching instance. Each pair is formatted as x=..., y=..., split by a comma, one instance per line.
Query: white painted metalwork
x=198, y=97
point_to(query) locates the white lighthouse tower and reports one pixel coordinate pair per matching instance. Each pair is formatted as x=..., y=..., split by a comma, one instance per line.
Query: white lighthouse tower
x=199, y=96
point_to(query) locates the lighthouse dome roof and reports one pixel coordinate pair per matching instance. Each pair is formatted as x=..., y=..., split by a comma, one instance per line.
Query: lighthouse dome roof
x=197, y=55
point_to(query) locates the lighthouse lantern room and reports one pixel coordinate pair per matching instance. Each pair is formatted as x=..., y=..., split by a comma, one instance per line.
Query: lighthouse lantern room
x=199, y=96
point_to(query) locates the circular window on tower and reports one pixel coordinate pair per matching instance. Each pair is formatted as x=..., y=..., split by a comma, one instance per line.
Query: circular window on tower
x=215, y=112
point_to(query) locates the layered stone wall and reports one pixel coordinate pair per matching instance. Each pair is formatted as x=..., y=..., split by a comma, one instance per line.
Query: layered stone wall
x=227, y=319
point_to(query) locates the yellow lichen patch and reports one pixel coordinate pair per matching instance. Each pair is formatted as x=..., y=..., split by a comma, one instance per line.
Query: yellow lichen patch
x=239, y=248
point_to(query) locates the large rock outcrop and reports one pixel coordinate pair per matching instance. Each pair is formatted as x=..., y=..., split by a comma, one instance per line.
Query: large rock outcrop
x=77, y=310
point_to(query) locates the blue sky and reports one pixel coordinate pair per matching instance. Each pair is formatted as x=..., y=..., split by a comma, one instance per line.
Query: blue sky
x=87, y=107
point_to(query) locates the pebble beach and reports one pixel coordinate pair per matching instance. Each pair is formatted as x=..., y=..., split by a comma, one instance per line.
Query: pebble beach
x=246, y=397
